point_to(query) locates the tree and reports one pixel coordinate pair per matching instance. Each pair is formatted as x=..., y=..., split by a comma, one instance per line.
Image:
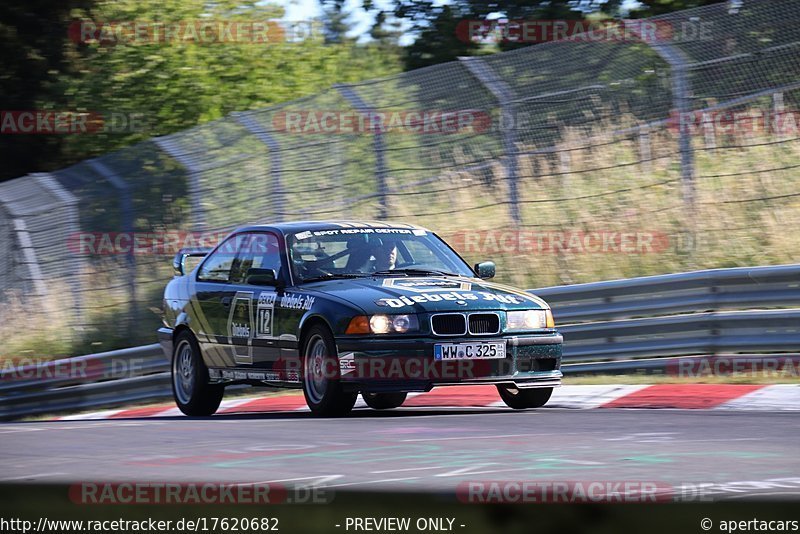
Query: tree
x=385, y=31
x=33, y=36
x=168, y=86
x=335, y=24
x=654, y=8
x=440, y=41
x=440, y=29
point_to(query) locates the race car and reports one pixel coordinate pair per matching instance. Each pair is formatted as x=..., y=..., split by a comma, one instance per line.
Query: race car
x=342, y=308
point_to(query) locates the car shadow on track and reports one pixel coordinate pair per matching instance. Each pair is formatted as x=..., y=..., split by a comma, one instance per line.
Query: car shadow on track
x=365, y=413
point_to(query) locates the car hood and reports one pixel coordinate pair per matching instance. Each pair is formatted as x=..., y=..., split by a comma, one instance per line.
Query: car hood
x=427, y=294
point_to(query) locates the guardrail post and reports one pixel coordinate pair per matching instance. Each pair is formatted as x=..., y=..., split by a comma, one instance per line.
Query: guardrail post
x=127, y=226
x=378, y=145
x=275, y=163
x=198, y=212
x=505, y=98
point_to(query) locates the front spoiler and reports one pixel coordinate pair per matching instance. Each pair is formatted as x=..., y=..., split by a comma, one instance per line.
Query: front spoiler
x=551, y=379
x=165, y=340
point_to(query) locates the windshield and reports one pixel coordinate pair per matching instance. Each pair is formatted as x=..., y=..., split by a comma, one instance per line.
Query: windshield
x=359, y=252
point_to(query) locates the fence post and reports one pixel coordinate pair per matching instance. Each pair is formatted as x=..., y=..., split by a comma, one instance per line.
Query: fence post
x=709, y=135
x=29, y=257
x=276, y=191
x=778, y=120
x=505, y=98
x=127, y=226
x=645, y=149
x=378, y=145
x=70, y=202
x=198, y=212
x=682, y=103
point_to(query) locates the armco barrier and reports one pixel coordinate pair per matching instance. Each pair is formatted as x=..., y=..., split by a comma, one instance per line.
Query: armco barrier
x=106, y=379
x=710, y=290
x=619, y=326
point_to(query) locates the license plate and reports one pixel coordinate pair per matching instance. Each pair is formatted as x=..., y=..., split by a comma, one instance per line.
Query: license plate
x=488, y=350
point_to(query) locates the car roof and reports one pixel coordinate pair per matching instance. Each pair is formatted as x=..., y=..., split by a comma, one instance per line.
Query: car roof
x=290, y=227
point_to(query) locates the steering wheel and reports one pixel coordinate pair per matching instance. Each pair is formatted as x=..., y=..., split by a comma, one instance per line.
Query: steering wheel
x=312, y=269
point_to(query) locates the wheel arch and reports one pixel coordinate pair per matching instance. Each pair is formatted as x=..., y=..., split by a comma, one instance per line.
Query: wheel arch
x=181, y=328
x=306, y=325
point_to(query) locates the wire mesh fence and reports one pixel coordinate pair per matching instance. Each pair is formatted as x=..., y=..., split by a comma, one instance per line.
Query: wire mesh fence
x=570, y=161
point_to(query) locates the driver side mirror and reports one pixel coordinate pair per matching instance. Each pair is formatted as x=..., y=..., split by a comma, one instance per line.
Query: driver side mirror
x=485, y=269
x=261, y=277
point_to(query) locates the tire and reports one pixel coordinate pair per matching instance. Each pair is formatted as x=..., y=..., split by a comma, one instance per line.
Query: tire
x=321, y=385
x=190, y=388
x=384, y=401
x=521, y=399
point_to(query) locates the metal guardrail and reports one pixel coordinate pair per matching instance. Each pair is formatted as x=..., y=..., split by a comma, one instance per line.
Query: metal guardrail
x=619, y=326
x=692, y=292
x=106, y=379
x=701, y=312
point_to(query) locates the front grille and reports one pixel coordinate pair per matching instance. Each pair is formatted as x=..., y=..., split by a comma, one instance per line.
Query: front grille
x=484, y=323
x=449, y=324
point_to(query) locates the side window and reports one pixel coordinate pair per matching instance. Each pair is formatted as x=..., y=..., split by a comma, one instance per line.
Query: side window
x=217, y=267
x=258, y=251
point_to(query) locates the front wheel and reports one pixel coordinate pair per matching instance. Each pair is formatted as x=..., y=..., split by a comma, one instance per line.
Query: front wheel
x=520, y=399
x=322, y=387
x=384, y=401
x=190, y=388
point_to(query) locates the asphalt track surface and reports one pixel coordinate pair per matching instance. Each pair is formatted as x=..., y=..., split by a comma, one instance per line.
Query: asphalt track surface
x=733, y=454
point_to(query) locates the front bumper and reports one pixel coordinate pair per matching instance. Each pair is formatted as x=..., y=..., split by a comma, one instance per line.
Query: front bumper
x=165, y=340
x=408, y=364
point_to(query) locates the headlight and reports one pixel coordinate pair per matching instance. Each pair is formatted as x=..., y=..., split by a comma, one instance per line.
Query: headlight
x=383, y=324
x=380, y=324
x=526, y=320
x=404, y=323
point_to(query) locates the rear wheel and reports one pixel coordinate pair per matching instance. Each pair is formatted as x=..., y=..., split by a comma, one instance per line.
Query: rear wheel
x=321, y=385
x=384, y=401
x=190, y=388
x=520, y=399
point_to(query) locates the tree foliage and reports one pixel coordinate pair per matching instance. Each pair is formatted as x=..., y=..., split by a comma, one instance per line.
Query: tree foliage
x=171, y=86
x=436, y=25
x=32, y=59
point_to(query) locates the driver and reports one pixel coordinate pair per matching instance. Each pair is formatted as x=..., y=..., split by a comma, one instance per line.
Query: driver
x=385, y=256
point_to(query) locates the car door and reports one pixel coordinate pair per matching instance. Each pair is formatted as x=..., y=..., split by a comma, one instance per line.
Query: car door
x=214, y=297
x=255, y=297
